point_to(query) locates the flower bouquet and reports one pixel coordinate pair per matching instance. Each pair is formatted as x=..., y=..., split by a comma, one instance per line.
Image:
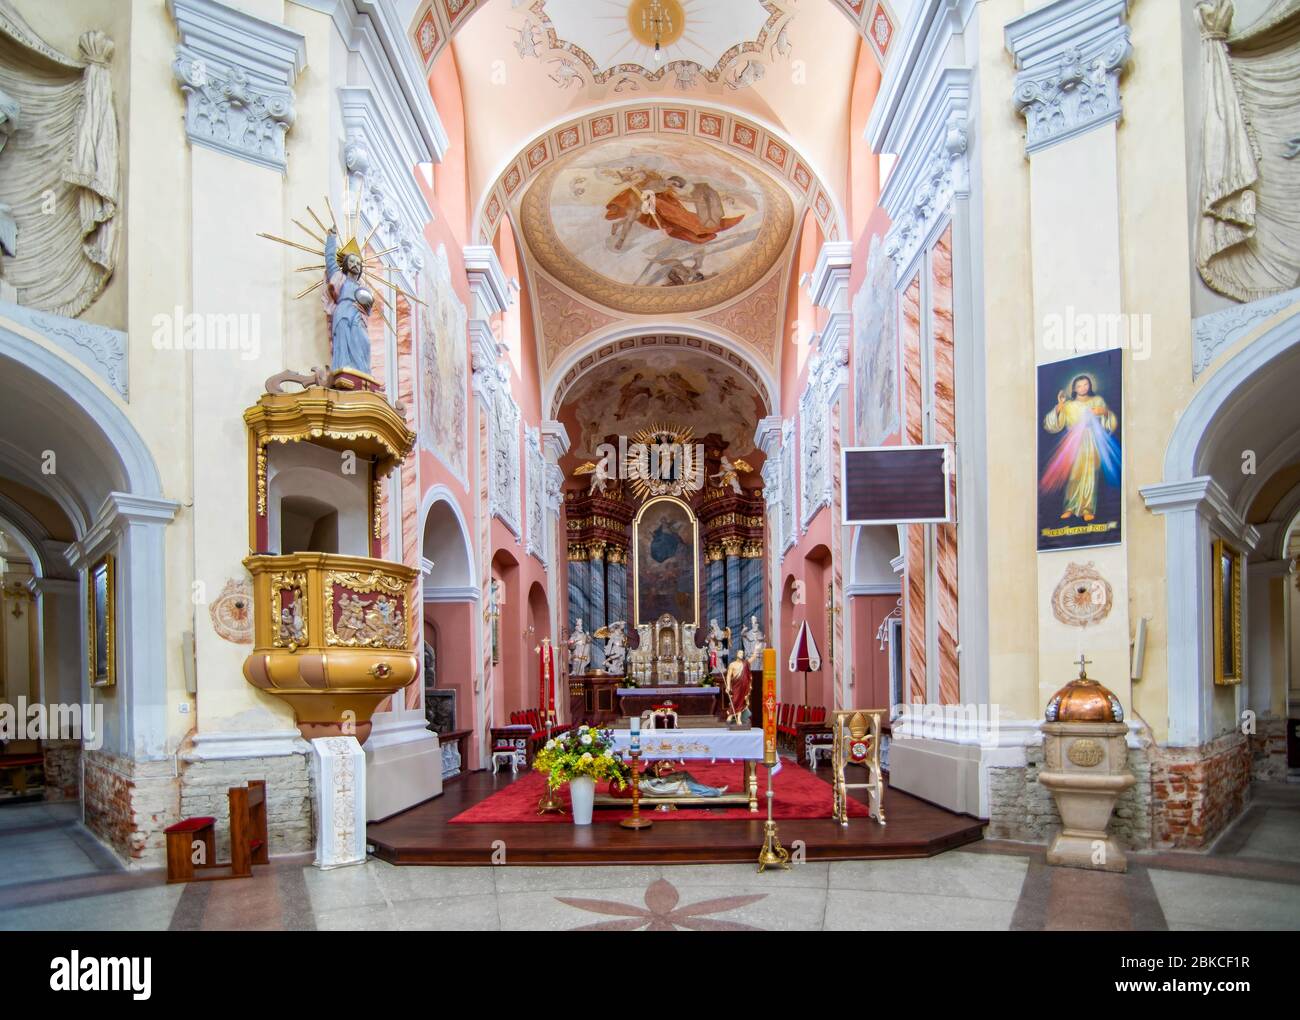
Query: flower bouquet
x=580, y=758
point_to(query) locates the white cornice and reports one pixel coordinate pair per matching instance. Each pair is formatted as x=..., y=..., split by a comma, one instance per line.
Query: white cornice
x=1204, y=496
x=487, y=280
x=450, y=593
x=767, y=437
x=119, y=510
x=274, y=53
x=829, y=283
x=225, y=746
x=921, y=51
x=371, y=29
x=555, y=439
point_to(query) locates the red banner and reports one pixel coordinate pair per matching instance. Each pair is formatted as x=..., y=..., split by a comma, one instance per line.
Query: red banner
x=546, y=680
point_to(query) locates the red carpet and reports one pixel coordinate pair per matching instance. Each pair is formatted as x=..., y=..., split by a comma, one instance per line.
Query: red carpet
x=799, y=794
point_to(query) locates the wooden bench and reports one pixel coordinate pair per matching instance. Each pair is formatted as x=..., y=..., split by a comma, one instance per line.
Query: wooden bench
x=248, y=839
x=22, y=773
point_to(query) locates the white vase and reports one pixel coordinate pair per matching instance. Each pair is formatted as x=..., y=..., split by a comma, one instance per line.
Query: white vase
x=582, y=794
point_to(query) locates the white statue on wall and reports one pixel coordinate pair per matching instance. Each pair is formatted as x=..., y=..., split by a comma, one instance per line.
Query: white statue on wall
x=615, y=647
x=754, y=641
x=579, y=650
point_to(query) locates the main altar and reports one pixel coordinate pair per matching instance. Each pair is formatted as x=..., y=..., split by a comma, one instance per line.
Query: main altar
x=665, y=576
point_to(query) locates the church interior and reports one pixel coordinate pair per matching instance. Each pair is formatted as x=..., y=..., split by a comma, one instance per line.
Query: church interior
x=661, y=464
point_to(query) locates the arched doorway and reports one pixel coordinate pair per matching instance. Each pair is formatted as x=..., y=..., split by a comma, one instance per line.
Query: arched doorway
x=80, y=490
x=875, y=608
x=1238, y=433
x=451, y=619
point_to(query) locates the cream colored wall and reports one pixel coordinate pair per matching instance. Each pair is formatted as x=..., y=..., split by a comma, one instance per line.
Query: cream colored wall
x=1009, y=355
x=1150, y=152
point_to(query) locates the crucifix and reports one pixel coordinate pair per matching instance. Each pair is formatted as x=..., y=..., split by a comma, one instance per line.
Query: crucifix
x=1083, y=665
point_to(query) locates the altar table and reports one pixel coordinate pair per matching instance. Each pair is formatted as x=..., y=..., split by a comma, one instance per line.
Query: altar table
x=697, y=745
x=633, y=701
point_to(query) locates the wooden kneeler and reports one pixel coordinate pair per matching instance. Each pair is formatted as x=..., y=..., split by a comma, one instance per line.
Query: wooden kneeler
x=248, y=839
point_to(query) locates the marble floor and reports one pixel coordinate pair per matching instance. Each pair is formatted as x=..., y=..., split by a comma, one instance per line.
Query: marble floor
x=54, y=876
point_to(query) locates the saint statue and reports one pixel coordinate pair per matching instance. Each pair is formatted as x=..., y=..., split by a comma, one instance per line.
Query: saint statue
x=615, y=647
x=718, y=637
x=728, y=473
x=753, y=640
x=1087, y=449
x=737, y=684
x=579, y=650
x=347, y=303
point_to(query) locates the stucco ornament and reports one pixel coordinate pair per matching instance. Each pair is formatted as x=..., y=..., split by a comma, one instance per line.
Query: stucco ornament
x=1248, y=237
x=232, y=612
x=59, y=185
x=1082, y=596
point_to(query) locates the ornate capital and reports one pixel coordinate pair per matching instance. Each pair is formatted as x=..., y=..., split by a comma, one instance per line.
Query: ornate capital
x=237, y=73
x=487, y=280
x=1069, y=55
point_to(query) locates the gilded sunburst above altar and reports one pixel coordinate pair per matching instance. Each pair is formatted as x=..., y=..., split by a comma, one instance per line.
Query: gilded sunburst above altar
x=691, y=39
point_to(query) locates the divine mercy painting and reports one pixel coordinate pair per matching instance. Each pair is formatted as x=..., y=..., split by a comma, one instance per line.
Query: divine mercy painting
x=1080, y=454
x=666, y=565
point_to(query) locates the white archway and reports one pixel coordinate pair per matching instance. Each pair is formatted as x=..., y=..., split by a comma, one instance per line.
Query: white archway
x=1196, y=507
x=106, y=482
x=446, y=552
x=564, y=375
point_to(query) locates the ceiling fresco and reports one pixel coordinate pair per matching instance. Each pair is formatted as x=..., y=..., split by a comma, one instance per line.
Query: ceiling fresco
x=655, y=225
x=680, y=387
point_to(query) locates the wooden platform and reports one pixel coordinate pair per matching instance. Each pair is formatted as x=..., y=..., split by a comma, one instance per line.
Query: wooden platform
x=422, y=835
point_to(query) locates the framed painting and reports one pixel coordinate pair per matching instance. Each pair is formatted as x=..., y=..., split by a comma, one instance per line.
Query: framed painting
x=1080, y=451
x=101, y=623
x=666, y=562
x=1227, y=613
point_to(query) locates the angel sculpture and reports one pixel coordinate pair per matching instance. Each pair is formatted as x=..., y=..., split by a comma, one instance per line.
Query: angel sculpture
x=728, y=473
x=600, y=474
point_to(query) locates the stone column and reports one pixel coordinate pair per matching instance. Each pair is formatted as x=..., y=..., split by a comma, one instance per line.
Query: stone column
x=578, y=566
x=731, y=550
x=716, y=592
x=751, y=582
x=616, y=585
x=596, y=603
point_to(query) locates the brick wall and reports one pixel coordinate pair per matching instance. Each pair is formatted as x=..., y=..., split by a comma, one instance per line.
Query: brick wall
x=1021, y=808
x=1268, y=750
x=1199, y=790
x=129, y=803
x=204, y=787
x=62, y=769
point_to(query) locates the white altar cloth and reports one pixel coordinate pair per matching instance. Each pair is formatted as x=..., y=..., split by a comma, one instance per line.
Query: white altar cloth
x=695, y=745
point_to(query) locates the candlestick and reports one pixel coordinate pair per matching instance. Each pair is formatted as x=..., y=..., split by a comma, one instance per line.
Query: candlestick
x=636, y=821
x=772, y=852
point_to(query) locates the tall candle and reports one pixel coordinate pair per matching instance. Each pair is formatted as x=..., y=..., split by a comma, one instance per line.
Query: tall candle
x=636, y=735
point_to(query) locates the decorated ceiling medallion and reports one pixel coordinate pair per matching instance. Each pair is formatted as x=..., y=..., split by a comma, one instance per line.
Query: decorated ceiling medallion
x=694, y=38
x=656, y=23
x=1082, y=596
x=651, y=225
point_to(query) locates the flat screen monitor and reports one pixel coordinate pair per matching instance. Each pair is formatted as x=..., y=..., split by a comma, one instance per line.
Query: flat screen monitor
x=897, y=484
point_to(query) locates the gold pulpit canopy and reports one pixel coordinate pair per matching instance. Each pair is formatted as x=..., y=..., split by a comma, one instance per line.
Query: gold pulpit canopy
x=362, y=421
